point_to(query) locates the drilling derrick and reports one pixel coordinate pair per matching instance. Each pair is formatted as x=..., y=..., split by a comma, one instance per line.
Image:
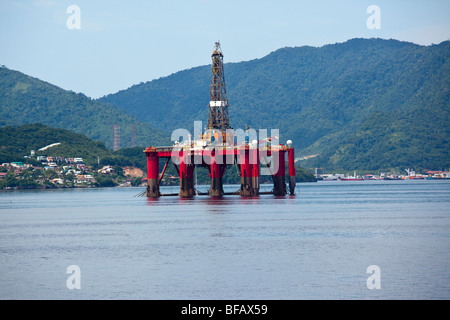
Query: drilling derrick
x=218, y=121
x=218, y=102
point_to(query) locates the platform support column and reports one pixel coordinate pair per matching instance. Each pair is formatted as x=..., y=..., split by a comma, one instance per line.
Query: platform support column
x=279, y=177
x=245, y=170
x=152, y=174
x=254, y=156
x=249, y=170
x=186, y=175
x=216, y=173
x=291, y=161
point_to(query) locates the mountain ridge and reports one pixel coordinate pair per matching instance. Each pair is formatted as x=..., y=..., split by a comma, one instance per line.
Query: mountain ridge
x=25, y=99
x=311, y=94
x=327, y=99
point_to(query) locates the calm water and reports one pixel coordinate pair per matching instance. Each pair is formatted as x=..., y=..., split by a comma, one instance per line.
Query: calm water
x=316, y=245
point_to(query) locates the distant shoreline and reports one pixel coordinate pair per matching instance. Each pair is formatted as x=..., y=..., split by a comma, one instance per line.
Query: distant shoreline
x=343, y=182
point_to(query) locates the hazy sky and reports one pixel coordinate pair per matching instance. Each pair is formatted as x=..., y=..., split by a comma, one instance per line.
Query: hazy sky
x=121, y=43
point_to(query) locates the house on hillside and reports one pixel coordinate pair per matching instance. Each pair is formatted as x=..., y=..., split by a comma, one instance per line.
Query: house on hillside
x=106, y=170
x=17, y=164
x=85, y=178
x=57, y=181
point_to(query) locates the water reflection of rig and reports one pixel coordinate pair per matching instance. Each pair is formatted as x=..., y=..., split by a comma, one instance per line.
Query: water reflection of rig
x=218, y=149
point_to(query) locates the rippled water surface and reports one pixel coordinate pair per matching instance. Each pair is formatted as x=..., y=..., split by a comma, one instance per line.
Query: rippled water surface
x=314, y=245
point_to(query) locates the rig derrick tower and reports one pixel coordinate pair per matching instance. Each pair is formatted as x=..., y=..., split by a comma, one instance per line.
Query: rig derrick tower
x=218, y=120
x=218, y=102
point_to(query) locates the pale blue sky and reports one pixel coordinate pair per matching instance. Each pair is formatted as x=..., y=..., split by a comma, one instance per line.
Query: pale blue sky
x=122, y=43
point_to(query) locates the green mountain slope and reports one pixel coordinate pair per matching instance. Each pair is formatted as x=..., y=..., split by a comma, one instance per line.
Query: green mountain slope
x=24, y=99
x=343, y=101
x=17, y=142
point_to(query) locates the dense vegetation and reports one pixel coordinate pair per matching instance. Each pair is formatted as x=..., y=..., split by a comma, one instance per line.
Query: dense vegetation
x=24, y=99
x=17, y=142
x=366, y=104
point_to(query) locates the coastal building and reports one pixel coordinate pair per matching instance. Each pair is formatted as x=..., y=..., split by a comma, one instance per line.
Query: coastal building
x=106, y=170
x=85, y=179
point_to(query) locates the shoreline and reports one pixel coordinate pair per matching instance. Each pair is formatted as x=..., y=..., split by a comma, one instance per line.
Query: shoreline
x=343, y=182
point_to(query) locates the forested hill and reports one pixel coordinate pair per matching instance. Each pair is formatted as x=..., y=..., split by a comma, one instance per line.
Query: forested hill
x=24, y=99
x=362, y=104
x=17, y=142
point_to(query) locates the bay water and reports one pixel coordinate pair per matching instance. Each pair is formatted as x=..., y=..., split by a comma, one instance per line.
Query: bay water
x=318, y=244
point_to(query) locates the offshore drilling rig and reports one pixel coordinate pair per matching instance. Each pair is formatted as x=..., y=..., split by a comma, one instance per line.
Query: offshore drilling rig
x=220, y=148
